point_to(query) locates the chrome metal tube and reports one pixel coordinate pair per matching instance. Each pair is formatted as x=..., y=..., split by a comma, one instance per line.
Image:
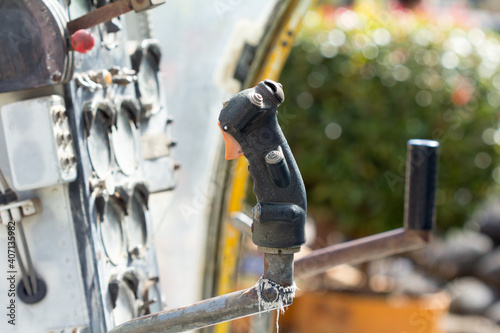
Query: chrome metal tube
x=361, y=250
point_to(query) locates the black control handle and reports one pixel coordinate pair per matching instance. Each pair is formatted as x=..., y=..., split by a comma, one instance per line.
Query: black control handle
x=421, y=180
x=250, y=127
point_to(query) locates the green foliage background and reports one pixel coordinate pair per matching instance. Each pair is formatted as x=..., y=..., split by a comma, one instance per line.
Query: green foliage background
x=385, y=77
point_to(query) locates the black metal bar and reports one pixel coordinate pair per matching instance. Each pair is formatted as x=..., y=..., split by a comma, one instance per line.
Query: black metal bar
x=421, y=179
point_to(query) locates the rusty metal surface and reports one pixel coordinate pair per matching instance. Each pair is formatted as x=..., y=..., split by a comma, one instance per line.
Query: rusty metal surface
x=33, y=44
x=361, y=250
x=100, y=15
x=205, y=313
x=279, y=268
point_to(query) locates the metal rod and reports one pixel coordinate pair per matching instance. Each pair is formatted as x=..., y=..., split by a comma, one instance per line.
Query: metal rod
x=100, y=15
x=277, y=268
x=4, y=186
x=31, y=270
x=24, y=275
x=202, y=314
x=261, y=322
x=361, y=250
x=243, y=223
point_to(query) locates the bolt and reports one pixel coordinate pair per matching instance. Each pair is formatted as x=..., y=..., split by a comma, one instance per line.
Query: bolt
x=270, y=294
x=65, y=161
x=60, y=138
x=172, y=143
x=123, y=80
x=56, y=76
x=67, y=137
x=28, y=209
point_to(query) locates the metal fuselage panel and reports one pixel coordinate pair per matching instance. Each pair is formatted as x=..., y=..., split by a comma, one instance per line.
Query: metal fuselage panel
x=92, y=241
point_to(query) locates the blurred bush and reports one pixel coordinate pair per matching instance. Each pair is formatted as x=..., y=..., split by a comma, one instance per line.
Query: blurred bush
x=360, y=83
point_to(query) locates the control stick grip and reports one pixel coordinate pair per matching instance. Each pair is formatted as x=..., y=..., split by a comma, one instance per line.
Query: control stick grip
x=249, y=121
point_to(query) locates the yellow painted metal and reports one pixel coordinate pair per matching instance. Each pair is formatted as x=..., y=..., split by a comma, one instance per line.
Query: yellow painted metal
x=268, y=66
x=281, y=43
x=232, y=237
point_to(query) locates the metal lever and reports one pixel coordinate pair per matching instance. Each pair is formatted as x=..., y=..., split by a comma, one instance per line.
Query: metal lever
x=419, y=219
x=110, y=11
x=242, y=131
x=249, y=125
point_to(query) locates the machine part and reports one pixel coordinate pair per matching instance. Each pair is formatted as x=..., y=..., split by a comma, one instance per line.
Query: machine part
x=110, y=11
x=278, y=168
x=139, y=26
x=34, y=51
x=6, y=193
x=125, y=136
x=242, y=222
x=110, y=217
x=136, y=225
x=283, y=219
x=213, y=310
x=141, y=5
x=39, y=143
x=27, y=208
x=253, y=130
x=123, y=302
x=421, y=179
x=256, y=99
x=146, y=62
x=253, y=67
x=240, y=118
x=101, y=78
x=421, y=174
x=98, y=119
x=30, y=281
x=84, y=80
x=31, y=289
x=36, y=296
x=244, y=62
x=152, y=297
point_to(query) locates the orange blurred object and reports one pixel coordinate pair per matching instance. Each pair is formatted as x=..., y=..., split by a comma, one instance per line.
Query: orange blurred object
x=335, y=312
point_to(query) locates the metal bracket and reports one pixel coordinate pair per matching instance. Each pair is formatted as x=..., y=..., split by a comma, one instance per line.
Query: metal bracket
x=19, y=209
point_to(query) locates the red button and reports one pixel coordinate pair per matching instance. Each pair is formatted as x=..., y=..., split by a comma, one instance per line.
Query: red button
x=82, y=41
